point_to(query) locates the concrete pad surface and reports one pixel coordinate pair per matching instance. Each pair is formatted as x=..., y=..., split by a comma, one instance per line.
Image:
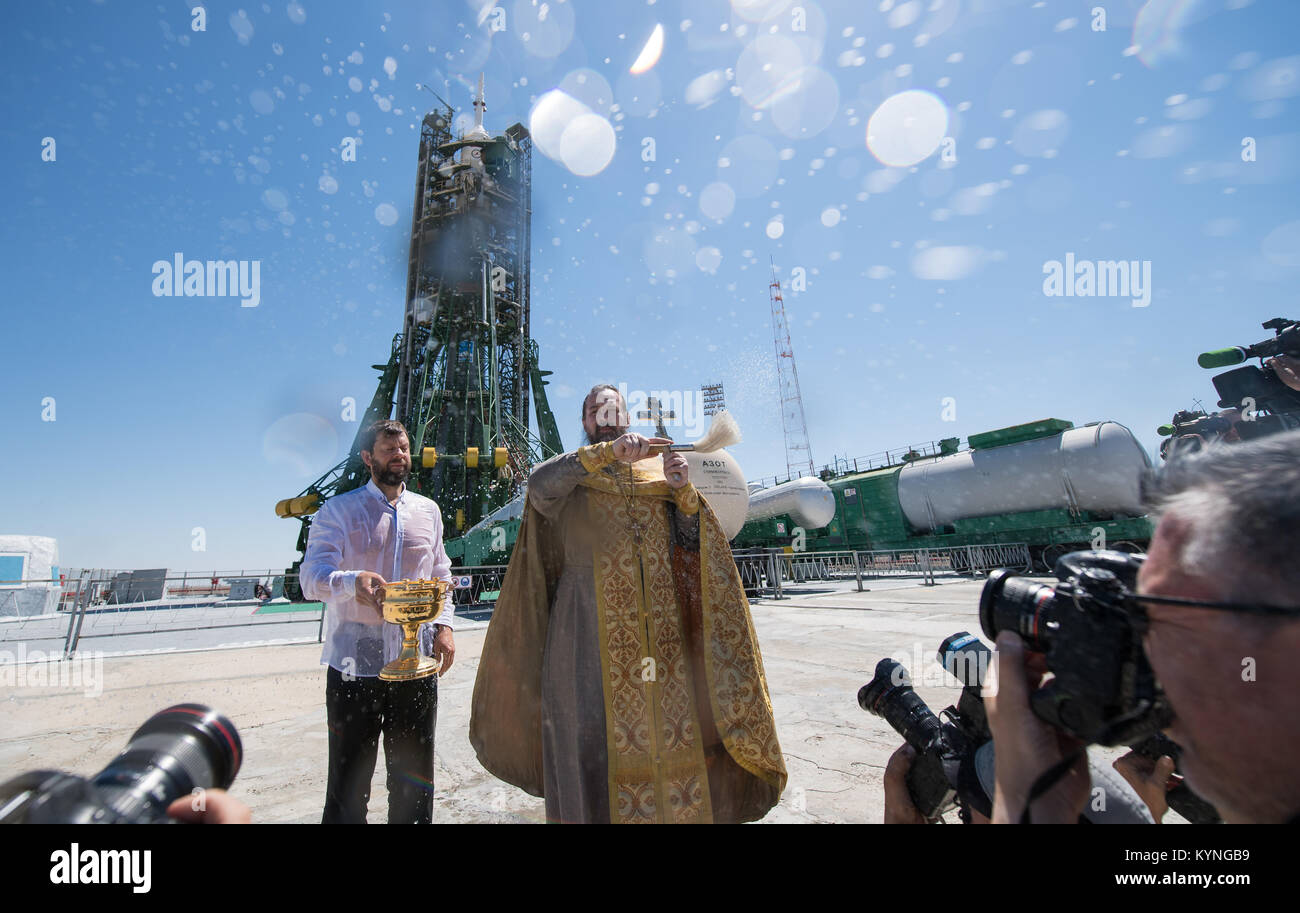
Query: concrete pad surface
x=820, y=645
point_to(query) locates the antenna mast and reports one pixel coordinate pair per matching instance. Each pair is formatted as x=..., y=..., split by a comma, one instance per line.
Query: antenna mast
x=798, y=453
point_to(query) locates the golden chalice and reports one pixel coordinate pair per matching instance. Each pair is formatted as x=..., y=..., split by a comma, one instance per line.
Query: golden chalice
x=411, y=603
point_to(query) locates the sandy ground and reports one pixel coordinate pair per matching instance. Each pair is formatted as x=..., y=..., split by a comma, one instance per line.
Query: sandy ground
x=819, y=647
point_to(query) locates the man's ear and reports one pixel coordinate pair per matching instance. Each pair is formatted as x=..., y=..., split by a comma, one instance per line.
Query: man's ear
x=366, y=457
x=1176, y=531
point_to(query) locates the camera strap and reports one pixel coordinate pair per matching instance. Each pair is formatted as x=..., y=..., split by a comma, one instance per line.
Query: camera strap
x=1050, y=778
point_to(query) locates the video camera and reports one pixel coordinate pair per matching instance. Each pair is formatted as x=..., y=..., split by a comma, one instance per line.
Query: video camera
x=1188, y=430
x=1285, y=341
x=175, y=752
x=1267, y=404
x=1103, y=690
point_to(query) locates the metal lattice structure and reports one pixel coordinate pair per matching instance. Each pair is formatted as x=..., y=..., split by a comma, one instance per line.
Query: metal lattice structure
x=464, y=376
x=798, y=453
x=464, y=364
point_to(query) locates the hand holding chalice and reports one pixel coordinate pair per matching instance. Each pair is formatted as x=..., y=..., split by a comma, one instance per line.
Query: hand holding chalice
x=411, y=603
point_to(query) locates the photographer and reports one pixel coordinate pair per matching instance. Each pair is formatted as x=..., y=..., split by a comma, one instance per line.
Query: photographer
x=1226, y=542
x=1224, y=651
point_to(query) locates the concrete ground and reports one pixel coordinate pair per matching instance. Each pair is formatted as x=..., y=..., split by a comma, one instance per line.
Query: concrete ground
x=819, y=646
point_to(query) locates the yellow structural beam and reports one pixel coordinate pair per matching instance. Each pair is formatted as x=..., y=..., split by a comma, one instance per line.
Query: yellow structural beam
x=298, y=507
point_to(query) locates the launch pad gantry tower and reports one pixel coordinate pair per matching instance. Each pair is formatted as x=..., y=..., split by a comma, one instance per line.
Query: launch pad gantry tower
x=464, y=367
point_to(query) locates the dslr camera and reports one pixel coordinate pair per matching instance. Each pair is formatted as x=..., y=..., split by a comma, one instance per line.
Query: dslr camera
x=1103, y=690
x=943, y=774
x=175, y=752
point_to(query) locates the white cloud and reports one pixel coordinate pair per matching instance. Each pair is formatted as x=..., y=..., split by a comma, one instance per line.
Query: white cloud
x=942, y=263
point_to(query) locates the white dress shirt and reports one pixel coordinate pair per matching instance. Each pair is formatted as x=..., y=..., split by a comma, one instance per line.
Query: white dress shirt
x=361, y=531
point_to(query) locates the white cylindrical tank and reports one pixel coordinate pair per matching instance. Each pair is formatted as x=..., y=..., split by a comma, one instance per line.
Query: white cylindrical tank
x=809, y=502
x=1097, y=468
x=34, y=560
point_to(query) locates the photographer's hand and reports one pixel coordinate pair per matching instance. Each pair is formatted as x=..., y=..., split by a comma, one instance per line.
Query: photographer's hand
x=1025, y=746
x=1151, y=780
x=211, y=806
x=898, y=803
x=899, y=808
x=1287, y=369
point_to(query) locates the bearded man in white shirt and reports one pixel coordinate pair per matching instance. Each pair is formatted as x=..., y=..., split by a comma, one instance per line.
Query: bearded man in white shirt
x=360, y=541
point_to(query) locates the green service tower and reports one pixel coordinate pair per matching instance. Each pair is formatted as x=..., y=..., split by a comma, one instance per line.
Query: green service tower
x=463, y=367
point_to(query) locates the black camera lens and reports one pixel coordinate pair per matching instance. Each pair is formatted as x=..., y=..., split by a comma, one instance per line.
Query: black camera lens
x=890, y=695
x=965, y=657
x=1009, y=603
x=176, y=751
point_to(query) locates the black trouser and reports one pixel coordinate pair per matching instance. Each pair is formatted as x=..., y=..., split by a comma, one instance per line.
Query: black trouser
x=357, y=711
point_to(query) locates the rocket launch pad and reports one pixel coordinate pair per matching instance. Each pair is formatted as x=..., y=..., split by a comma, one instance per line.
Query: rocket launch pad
x=464, y=365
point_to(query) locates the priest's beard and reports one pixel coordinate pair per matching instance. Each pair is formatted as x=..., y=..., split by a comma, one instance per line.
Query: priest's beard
x=604, y=433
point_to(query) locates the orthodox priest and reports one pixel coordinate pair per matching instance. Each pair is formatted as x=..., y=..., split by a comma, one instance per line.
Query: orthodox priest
x=620, y=677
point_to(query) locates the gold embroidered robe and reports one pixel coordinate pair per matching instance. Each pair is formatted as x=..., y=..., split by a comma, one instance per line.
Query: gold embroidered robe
x=621, y=680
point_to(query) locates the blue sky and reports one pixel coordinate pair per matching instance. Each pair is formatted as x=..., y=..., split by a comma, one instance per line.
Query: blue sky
x=923, y=281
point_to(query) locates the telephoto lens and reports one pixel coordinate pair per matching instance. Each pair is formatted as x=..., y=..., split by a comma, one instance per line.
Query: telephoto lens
x=935, y=773
x=890, y=695
x=1011, y=603
x=177, y=751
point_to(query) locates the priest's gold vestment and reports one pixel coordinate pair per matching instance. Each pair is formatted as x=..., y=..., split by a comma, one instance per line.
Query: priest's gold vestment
x=620, y=676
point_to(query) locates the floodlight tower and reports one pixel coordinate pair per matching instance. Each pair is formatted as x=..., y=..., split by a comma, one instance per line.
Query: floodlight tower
x=715, y=399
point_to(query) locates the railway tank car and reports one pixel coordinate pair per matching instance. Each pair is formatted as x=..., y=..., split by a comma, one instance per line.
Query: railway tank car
x=1047, y=484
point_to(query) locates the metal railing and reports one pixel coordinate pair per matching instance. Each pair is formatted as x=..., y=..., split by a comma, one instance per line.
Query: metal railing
x=980, y=559
x=95, y=604
x=110, y=586
x=212, y=601
x=760, y=569
x=842, y=465
x=485, y=578
x=768, y=571
x=101, y=603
